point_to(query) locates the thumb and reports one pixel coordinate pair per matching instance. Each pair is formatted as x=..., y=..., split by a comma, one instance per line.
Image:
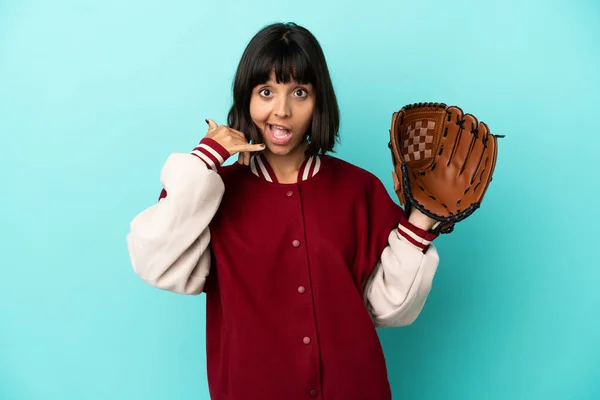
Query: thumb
x=212, y=125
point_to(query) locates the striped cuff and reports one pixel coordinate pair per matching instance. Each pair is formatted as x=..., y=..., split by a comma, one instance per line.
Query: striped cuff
x=211, y=153
x=416, y=236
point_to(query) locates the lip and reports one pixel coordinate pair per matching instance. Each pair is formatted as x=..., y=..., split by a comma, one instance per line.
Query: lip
x=277, y=141
x=281, y=125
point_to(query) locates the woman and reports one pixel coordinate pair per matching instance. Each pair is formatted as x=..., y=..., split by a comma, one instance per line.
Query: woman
x=300, y=254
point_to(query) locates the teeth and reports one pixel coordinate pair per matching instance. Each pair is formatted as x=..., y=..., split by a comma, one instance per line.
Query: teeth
x=282, y=132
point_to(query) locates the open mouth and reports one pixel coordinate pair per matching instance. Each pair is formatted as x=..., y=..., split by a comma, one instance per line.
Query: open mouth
x=278, y=134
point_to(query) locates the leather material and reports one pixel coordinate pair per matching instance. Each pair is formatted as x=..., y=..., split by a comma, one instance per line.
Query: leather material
x=443, y=161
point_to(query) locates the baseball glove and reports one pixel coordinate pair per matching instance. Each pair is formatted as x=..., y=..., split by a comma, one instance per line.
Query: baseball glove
x=443, y=161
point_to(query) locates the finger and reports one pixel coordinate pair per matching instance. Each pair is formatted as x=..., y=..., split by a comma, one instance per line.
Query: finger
x=247, y=158
x=238, y=134
x=241, y=158
x=248, y=147
x=212, y=125
x=468, y=138
x=477, y=161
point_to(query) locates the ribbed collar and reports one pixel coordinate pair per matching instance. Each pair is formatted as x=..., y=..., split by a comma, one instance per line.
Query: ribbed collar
x=261, y=168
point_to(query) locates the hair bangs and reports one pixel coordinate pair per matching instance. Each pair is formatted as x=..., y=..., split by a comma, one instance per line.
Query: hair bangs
x=287, y=60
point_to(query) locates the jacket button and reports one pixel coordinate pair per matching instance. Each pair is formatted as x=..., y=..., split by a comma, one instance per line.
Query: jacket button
x=289, y=193
x=306, y=340
x=314, y=393
x=296, y=243
x=301, y=289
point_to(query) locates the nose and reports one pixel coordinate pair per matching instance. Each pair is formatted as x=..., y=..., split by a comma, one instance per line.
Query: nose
x=282, y=108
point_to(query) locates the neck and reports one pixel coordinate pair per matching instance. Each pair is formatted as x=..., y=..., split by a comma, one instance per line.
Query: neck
x=286, y=166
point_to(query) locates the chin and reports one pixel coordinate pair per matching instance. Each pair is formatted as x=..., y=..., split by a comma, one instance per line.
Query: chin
x=282, y=150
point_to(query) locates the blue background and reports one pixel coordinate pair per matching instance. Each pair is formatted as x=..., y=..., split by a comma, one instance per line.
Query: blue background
x=95, y=95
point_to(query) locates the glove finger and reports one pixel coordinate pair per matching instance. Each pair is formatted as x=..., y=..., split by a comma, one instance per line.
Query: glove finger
x=482, y=176
x=464, y=141
x=471, y=167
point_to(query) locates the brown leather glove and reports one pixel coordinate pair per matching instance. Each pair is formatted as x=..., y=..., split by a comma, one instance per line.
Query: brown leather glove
x=443, y=161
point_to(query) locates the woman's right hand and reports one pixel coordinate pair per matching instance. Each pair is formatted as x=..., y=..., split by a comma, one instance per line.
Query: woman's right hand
x=232, y=140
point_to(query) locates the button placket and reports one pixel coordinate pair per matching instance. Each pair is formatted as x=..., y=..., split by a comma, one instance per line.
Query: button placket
x=313, y=393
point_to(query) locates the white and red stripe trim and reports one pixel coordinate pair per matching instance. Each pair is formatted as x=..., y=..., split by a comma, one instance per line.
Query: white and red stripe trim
x=261, y=168
x=212, y=153
x=416, y=236
x=311, y=167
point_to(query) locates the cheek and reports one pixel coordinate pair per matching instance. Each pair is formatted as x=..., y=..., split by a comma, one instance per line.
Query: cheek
x=259, y=111
x=306, y=115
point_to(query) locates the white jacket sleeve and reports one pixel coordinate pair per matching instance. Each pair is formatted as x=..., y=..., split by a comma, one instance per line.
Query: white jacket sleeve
x=398, y=287
x=169, y=242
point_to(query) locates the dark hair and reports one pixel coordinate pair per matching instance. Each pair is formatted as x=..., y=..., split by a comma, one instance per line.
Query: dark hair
x=294, y=54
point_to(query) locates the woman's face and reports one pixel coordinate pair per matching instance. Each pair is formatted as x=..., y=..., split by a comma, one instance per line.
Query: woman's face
x=283, y=113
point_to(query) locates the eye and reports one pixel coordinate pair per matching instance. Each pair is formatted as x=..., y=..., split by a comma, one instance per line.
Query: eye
x=301, y=92
x=265, y=92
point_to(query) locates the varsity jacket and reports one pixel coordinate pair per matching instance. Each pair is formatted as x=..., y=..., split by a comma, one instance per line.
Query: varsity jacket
x=297, y=276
